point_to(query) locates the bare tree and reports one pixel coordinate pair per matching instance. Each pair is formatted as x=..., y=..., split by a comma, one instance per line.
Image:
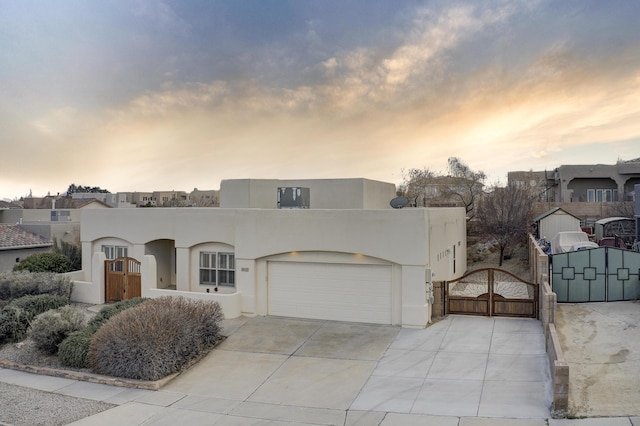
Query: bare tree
x=504, y=215
x=464, y=186
x=204, y=201
x=417, y=185
x=621, y=209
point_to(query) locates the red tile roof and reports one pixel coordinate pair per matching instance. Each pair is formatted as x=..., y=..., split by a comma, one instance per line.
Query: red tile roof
x=14, y=237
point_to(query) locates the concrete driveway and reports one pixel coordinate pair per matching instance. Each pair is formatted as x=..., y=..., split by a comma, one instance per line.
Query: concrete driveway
x=461, y=366
x=601, y=343
x=278, y=371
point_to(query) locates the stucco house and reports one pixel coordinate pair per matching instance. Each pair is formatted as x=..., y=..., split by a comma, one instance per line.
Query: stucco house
x=344, y=254
x=589, y=183
x=17, y=243
x=53, y=224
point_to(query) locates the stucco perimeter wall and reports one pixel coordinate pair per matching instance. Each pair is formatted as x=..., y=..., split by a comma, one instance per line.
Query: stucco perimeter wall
x=539, y=264
x=584, y=211
x=324, y=193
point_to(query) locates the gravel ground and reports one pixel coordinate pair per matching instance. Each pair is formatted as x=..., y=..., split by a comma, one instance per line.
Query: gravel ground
x=25, y=352
x=25, y=406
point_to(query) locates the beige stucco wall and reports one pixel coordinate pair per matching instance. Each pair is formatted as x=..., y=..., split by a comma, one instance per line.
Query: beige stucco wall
x=447, y=245
x=324, y=193
x=8, y=257
x=410, y=240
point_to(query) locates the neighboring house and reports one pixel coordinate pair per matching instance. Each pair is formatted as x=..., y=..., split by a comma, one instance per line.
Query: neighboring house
x=347, y=256
x=595, y=183
x=16, y=243
x=61, y=225
x=6, y=205
x=105, y=197
x=548, y=224
x=208, y=198
x=142, y=199
x=86, y=203
x=170, y=198
x=204, y=198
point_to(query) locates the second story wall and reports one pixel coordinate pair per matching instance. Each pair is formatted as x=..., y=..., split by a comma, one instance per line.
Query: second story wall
x=323, y=193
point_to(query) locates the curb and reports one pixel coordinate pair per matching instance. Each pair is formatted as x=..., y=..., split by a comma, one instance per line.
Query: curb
x=89, y=377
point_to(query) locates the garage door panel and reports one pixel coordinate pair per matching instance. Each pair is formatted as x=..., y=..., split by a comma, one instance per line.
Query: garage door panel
x=341, y=292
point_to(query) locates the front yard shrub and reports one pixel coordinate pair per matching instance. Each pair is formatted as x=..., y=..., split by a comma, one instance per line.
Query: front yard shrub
x=13, y=325
x=17, y=284
x=50, y=328
x=72, y=251
x=16, y=316
x=114, y=308
x=156, y=338
x=45, y=262
x=72, y=352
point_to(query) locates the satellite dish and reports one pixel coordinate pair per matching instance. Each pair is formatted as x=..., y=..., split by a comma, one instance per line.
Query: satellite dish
x=399, y=202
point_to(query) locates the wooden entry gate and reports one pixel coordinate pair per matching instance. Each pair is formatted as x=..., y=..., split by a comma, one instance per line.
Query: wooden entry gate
x=491, y=292
x=122, y=279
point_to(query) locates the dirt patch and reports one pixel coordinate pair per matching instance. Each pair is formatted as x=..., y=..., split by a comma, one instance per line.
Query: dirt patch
x=601, y=344
x=485, y=255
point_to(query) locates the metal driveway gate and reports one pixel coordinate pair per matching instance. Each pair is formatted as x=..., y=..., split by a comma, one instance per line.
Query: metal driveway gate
x=604, y=274
x=491, y=292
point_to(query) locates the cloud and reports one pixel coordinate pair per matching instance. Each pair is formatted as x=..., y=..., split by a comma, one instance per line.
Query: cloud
x=354, y=81
x=437, y=90
x=161, y=15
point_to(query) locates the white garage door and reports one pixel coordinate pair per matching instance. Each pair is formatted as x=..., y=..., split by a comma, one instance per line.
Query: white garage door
x=338, y=292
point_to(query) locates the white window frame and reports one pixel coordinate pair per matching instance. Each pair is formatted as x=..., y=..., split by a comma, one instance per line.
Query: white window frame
x=602, y=195
x=60, y=216
x=217, y=268
x=113, y=252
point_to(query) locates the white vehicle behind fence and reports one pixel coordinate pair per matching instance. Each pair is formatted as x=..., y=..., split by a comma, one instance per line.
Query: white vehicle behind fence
x=564, y=242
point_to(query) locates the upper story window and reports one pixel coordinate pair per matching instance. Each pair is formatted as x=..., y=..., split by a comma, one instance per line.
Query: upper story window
x=217, y=268
x=60, y=216
x=602, y=195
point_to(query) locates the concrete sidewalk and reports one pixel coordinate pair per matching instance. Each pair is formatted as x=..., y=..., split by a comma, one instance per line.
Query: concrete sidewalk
x=462, y=371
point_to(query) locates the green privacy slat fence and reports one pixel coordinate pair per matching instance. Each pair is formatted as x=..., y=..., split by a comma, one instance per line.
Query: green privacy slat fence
x=605, y=274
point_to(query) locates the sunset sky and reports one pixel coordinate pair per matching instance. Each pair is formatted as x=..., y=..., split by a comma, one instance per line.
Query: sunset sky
x=172, y=95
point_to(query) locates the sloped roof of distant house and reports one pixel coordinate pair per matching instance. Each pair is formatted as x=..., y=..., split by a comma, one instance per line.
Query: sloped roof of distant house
x=14, y=237
x=78, y=203
x=550, y=212
x=8, y=205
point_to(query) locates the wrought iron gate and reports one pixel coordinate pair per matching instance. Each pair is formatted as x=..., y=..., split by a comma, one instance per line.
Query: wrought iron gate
x=604, y=274
x=122, y=279
x=491, y=292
